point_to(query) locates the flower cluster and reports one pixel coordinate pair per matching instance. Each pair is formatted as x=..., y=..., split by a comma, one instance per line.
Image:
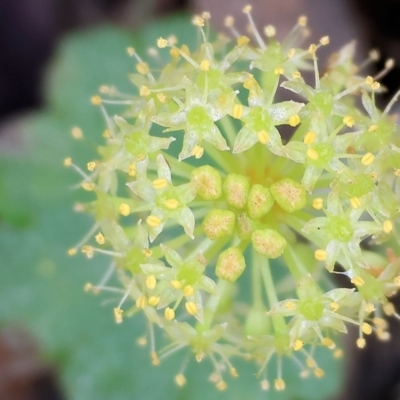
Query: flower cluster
x=211, y=174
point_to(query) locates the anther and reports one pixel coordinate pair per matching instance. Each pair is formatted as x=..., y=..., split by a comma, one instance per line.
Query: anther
x=320, y=255
x=124, y=209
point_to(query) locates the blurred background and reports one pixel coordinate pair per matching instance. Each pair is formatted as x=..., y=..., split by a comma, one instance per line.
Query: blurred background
x=49, y=342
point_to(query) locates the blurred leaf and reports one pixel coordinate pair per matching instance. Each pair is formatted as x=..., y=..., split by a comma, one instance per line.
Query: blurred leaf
x=43, y=288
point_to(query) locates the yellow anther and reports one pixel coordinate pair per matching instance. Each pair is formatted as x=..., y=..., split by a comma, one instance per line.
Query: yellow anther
x=348, y=120
x=358, y=281
x=242, y=41
x=77, y=133
x=263, y=137
x=264, y=385
x=169, y=314
x=88, y=250
x=91, y=166
x=397, y=172
x=369, y=308
x=396, y=281
x=387, y=226
x=373, y=175
x=180, y=380
x=367, y=159
x=279, y=71
x=320, y=255
x=294, y=120
x=237, y=111
x=205, y=65
x=311, y=363
x=106, y=134
x=233, y=373
x=310, y=137
x=361, y=343
x=250, y=83
x=296, y=75
x=161, y=97
x=312, y=48
x=153, y=301
x=142, y=341
x=319, y=372
x=198, y=21
x=338, y=353
x=151, y=282
x=88, y=287
x=318, y=203
x=324, y=40
x=270, y=31
x=141, y=157
x=67, y=162
x=205, y=15
x=175, y=52
x=153, y=221
x=191, y=308
x=369, y=80
x=124, y=209
x=366, y=328
x=130, y=51
x=142, y=68
x=132, y=169
x=89, y=186
x=380, y=323
x=334, y=306
x=197, y=151
x=188, y=290
x=100, y=239
x=171, y=204
x=176, y=284
x=302, y=21
x=312, y=154
x=383, y=335
x=355, y=202
x=221, y=385
x=247, y=9
x=154, y=358
x=279, y=384
x=329, y=343
x=229, y=21
x=185, y=49
x=118, y=315
x=144, y=91
x=141, y=302
x=72, y=252
x=375, y=86
x=291, y=53
x=372, y=128
x=162, y=43
x=96, y=100
x=298, y=344
x=147, y=252
x=160, y=183
x=290, y=305
x=389, y=309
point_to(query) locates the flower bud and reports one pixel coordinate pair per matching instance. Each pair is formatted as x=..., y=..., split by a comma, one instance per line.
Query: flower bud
x=259, y=201
x=230, y=264
x=218, y=223
x=290, y=195
x=236, y=189
x=268, y=242
x=207, y=181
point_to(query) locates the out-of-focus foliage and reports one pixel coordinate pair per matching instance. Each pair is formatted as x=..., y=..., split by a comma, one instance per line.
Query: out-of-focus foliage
x=42, y=288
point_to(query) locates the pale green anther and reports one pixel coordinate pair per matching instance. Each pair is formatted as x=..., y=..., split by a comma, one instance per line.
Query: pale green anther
x=207, y=181
x=290, y=195
x=268, y=242
x=259, y=201
x=245, y=226
x=218, y=223
x=230, y=264
x=236, y=189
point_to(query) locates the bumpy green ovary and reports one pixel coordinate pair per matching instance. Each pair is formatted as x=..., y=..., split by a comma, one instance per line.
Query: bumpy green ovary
x=320, y=154
x=322, y=102
x=311, y=309
x=340, y=228
x=209, y=79
x=199, y=117
x=358, y=186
